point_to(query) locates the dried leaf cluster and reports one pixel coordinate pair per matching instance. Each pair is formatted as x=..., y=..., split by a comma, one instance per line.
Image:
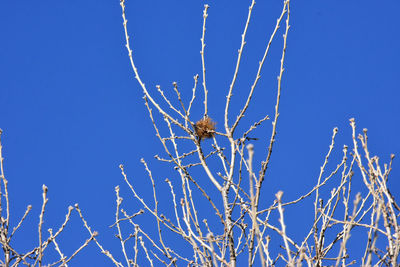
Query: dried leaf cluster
x=205, y=128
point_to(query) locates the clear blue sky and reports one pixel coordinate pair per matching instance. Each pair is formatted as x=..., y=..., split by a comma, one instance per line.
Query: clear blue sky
x=71, y=110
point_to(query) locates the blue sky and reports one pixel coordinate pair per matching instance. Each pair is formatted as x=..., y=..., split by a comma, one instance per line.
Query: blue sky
x=71, y=110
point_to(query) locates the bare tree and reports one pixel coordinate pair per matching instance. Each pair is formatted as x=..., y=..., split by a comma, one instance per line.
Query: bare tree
x=241, y=229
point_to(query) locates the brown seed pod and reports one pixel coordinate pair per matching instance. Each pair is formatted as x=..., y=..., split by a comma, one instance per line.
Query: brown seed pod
x=205, y=128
